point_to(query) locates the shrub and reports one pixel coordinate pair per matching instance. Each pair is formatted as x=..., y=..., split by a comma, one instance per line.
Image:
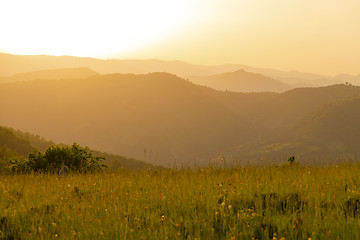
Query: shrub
x=291, y=160
x=59, y=159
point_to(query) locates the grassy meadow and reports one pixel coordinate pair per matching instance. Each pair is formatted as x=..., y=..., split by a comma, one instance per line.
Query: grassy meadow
x=269, y=202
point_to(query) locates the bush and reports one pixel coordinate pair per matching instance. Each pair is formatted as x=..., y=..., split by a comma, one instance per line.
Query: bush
x=59, y=159
x=291, y=160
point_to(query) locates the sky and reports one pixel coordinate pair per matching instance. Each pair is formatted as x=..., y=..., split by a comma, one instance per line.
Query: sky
x=318, y=36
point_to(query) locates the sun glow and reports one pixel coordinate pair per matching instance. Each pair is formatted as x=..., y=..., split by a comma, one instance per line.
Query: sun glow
x=314, y=36
x=88, y=28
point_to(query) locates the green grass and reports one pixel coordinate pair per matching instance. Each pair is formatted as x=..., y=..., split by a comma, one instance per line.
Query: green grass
x=291, y=202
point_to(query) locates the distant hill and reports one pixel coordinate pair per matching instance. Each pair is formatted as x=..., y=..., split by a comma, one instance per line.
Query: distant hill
x=166, y=120
x=293, y=105
x=62, y=73
x=329, y=134
x=241, y=81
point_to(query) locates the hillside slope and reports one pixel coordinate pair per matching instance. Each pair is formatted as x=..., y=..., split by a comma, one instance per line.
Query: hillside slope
x=13, y=142
x=295, y=104
x=329, y=134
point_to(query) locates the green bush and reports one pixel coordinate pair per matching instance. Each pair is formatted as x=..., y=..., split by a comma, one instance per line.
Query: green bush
x=59, y=159
x=291, y=160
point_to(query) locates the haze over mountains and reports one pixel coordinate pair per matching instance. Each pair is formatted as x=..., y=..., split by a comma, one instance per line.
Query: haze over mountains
x=165, y=119
x=13, y=64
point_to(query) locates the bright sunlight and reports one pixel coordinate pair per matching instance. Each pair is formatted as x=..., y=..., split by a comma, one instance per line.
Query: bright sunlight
x=88, y=28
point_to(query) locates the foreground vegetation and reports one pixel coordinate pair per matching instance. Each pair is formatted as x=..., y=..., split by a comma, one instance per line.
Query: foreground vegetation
x=58, y=159
x=18, y=149
x=282, y=202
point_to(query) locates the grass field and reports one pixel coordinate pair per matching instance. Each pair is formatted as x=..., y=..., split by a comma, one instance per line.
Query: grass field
x=270, y=202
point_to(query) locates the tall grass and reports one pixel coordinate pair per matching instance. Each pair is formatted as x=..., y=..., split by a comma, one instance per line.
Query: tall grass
x=282, y=202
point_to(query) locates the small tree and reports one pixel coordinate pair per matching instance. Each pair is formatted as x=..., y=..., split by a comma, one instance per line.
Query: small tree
x=291, y=160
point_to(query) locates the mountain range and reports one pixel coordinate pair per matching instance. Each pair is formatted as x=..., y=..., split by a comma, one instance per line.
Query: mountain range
x=14, y=64
x=167, y=120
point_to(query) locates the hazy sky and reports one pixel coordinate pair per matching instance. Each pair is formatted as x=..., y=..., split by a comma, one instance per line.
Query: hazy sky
x=320, y=36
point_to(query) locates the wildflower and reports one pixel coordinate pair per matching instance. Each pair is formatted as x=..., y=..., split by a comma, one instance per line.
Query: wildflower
x=229, y=207
x=223, y=204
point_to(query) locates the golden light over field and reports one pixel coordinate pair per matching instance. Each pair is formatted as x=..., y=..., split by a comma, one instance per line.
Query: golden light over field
x=317, y=36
